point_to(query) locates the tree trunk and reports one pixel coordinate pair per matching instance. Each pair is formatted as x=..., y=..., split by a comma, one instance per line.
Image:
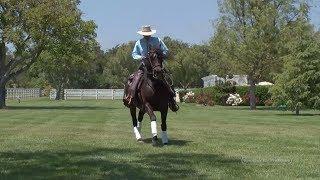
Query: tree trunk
x=2, y=72
x=252, y=95
x=2, y=97
x=297, y=110
x=58, y=95
x=60, y=92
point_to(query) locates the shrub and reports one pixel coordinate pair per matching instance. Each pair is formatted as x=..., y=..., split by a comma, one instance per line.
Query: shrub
x=220, y=94
x=262, y=94
x=246, y=100
x=268, y=102
x=234, y=100
x=182, y=93
x=227, y=87
x=189, y=97
x=204, y=99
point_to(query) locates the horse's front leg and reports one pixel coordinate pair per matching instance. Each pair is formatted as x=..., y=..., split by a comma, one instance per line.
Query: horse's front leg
x=140, y=118
x=153, y=124
x=164, y=135
x=135, y=123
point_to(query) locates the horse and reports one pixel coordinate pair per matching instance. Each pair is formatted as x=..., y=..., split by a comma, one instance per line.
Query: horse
x=152, y=95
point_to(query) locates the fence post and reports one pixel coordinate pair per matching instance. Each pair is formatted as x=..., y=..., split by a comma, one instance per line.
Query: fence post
x=97, y=94
x=112, y=92
x=65, y=94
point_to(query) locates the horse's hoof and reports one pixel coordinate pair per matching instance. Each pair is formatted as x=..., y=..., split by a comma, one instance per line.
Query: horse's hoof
x=154, y=144
x=165, y=144
x=155, y=141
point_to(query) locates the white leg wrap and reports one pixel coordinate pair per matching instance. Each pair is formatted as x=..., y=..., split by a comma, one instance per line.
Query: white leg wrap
x=136, y=133
x=164, y=137
x=139, y=126
x=154, y=128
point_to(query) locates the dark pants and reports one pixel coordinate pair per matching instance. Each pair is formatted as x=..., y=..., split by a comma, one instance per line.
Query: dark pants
x=135, y=81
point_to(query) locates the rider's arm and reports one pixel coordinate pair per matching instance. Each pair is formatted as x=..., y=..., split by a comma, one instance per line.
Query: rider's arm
x=136, y=53
x=163, y=48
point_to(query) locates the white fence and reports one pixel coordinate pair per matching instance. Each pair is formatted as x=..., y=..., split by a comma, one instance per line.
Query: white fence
x=20, y=93
x=89, y=94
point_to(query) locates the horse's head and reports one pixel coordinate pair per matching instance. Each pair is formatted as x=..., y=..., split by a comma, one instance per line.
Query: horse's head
x=154, y=62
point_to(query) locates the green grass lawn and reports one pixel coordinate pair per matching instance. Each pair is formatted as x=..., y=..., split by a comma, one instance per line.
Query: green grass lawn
x=94, y=140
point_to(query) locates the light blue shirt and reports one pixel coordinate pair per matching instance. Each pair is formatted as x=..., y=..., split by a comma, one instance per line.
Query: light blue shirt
x=140, y=49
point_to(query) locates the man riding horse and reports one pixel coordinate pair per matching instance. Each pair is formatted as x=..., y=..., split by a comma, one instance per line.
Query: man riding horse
x=140, y=52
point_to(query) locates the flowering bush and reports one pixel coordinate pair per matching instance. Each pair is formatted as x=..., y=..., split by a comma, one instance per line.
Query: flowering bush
x=246, y=100
x=189, y=97
x=268, y=102
x=204, y=99
x=234, y=99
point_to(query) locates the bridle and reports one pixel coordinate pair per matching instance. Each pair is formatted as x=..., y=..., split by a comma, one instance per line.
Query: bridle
x=163, y=74
x=152, y=56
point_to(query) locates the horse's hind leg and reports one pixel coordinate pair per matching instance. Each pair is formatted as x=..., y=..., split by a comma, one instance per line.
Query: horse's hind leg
x=135, y=123
x=153, y=124
x=164, y=135
x=140, y=118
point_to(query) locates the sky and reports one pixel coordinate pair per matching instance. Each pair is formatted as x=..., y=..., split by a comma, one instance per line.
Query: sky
x=186, y=20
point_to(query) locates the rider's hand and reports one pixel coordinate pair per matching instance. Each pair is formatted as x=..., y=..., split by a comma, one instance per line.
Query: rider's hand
x=144, y=60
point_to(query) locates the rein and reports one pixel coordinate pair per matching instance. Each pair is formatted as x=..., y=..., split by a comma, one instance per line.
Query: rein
x=167, y=76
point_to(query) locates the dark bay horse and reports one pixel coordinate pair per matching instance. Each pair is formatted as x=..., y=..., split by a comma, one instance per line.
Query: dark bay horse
x=153, y=95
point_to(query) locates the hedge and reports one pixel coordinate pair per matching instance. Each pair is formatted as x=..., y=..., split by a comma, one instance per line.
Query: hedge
x=220, y=94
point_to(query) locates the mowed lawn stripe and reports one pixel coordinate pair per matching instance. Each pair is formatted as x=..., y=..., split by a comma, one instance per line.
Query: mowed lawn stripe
x=94, y=139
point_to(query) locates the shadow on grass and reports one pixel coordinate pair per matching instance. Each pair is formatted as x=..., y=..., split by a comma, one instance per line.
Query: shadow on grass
x=247, y=108
x=59, y=108
x=172, y=142
x=292, y=114
x=115, y=163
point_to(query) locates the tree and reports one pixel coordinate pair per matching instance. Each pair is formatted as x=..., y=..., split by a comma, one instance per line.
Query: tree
x=252, y=32
x=189, y=66
x=119, y=65
x=220, y=64
x=85, y=76
x=27, y=28
x=299, y=84
x=66, y=61
x=174, y=46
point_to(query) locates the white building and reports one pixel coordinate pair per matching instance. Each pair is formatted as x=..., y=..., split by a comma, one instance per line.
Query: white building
x=212, y=80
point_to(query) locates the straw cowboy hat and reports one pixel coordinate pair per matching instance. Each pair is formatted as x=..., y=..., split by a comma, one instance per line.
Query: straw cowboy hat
x=146, y=31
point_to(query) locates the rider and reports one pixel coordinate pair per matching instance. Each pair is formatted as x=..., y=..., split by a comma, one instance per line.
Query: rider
x=140, y=52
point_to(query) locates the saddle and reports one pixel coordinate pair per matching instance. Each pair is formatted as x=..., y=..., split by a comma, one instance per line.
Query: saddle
x=130, y=80
x=129, y=87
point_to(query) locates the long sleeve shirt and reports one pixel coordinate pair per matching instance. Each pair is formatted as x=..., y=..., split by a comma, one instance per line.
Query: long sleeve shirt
x=140, y=49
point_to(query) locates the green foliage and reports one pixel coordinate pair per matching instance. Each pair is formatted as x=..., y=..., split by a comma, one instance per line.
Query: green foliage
x=248, y=36
x=299, y=84
x=219, y=94
x=221, y=64
x=188, y=67
x=33, y=29
x=187, y=64
x=175, y=46
x=119, y=65
x=67, y=57
x=263, y=94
